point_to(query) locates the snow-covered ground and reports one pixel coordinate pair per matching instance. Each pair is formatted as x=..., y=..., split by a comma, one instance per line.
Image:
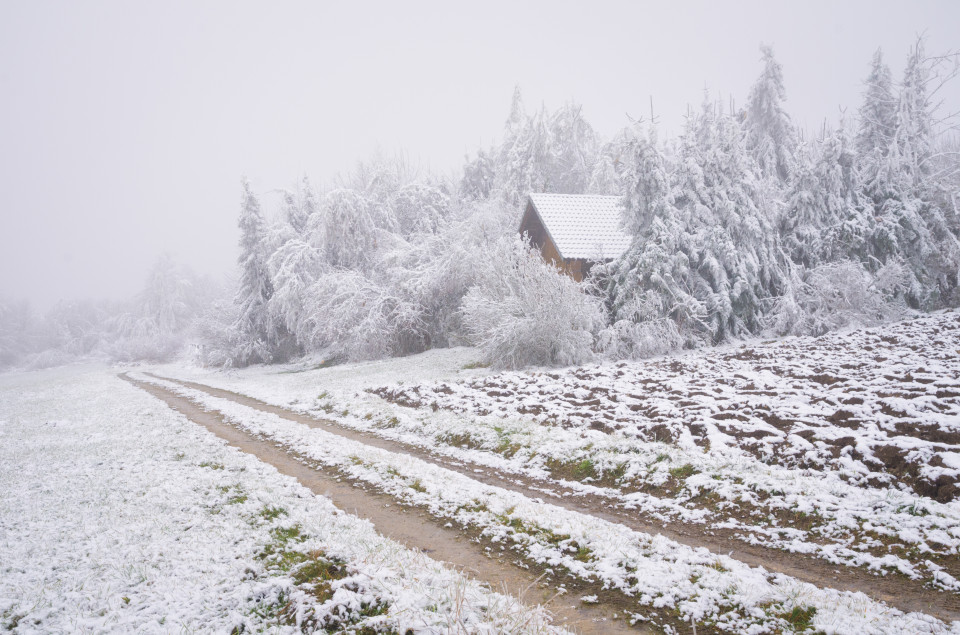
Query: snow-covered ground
x=786, y=444
x=846, y=447
x=119, y=515
x=657, y=573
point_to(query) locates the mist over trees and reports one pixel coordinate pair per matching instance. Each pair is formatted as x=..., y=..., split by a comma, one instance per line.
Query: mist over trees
x=154, y=326
x=742, y=225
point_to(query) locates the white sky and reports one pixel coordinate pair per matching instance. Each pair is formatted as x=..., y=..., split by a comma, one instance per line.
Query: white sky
x=125, y=126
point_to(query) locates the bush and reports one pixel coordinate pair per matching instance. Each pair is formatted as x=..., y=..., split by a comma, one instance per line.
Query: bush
x=525, y=312
x=626, y=339
x=838, y=294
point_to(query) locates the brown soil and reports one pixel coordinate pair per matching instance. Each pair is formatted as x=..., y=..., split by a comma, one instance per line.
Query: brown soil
x=896, y=590
x=415, y=528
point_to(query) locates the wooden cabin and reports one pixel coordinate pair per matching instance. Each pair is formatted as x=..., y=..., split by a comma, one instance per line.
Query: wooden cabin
x=575, y=231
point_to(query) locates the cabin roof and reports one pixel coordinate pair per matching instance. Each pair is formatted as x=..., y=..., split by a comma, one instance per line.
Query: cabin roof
x=584, y=226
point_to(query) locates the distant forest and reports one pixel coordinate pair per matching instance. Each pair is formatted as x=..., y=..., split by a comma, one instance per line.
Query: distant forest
x=743, y=225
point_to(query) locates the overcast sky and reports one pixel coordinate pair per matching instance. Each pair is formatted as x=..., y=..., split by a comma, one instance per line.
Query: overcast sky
x=125, y=126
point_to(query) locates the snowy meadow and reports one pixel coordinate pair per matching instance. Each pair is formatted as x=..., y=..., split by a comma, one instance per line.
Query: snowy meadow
x=747, y=420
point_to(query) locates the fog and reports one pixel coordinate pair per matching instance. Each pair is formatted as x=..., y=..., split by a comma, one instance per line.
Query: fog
x=125, y=127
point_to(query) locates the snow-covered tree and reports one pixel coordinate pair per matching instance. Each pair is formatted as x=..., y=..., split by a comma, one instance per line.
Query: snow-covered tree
x=299, y=206
x=834, y=295
x=654, y=282
x=824, y=219
x=420, y=208
x=572, y=152
x=706, y=255
x=347, y=229
x=877, y=114
x=910, y=224
x=254, y=323
x=647, y=184
x=166, y=299
x=479, y=175
x=770, y=135
x=293, y=267
x=525, y=312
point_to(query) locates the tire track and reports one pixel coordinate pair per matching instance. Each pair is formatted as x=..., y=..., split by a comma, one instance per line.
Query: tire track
x=897, y=591
x=411, y=527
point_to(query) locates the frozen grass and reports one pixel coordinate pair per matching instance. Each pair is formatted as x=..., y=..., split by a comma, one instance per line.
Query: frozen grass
x=838, y=446
x=118, y=515
x=667, y=583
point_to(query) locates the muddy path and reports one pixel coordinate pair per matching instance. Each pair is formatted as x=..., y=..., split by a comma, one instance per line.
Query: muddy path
x=408, y=526
x=895, y=590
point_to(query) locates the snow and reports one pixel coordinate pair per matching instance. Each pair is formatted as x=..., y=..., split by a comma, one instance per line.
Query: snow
x=659, y=572
x=119, y=515
x=585, y=226
x=864, y=519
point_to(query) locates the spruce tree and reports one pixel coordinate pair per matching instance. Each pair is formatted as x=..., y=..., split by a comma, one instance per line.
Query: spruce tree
x=770, y=136
x=877, y=114
x=255, y=289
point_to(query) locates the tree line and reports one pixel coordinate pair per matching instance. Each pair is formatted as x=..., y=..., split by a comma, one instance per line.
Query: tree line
x=742, y=225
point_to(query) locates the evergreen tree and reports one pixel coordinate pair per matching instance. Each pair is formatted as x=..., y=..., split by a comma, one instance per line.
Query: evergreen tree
x=255, y=289
x=824, y=221
x=910, y=226
x=165, y=301
x=478, y=177
x=572, y=151
x=913, y=136
x=770, y=136
x=648, y=188
x=298, y=206
x=878, y=112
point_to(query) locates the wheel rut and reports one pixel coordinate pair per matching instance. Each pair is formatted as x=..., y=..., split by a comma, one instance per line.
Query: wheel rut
x=897, y=591
x=408, y=526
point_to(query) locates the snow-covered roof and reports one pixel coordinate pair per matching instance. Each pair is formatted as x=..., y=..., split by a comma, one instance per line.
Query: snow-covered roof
x=583, y=225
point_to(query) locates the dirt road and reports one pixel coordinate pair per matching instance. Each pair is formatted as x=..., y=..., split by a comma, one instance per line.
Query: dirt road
x=409, y=526
x=895, y=590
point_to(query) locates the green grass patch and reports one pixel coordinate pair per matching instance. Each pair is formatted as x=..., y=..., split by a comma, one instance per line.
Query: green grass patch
x=799, y=617
x=272, y=513
x=683, y=472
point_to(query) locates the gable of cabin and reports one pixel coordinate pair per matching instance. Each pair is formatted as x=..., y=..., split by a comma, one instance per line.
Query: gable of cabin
x=532, y=225
x=575, y=231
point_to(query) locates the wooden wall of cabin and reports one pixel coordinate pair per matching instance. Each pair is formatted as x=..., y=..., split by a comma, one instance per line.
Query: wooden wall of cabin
x=539, y=238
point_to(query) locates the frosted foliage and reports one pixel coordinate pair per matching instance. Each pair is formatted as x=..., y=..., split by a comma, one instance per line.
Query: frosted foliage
x=877, y=115
x=525, y=312
x=544, y=152
x=293, y=267
x=706, y=253
x=835, y=295
x=421, y=209
x=647, y=184
x=824, y=221
x=626, y=339
x=299, y=206
x=162, y=316
x=911, y=220
x=262, y=338
x=573, y=150
x=166, y=299
x=350, y=229
x=770, y=137
x=737, y=228
x=479, y=175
